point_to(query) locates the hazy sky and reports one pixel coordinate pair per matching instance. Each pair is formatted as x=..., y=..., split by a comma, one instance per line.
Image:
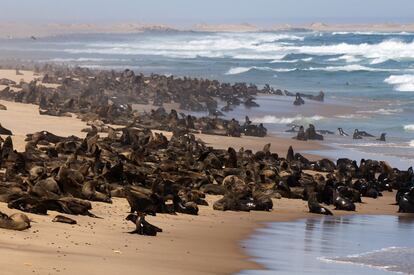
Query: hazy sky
x=184, y=12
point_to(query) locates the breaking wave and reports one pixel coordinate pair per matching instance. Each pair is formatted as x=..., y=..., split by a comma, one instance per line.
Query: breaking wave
x=372, y=33
x=249, y=46
x=240, y=70
x=382, y=111
x=350, y=68
x=386, y=50
x=402, y=83
x=409, y=127
x=347, y=68
x=347, y=58
x=286, y=120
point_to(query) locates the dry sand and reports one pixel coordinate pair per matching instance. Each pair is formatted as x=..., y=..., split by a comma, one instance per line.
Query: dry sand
x=203, y=244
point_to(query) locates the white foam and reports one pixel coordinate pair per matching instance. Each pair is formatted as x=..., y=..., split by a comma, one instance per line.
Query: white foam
x=307, y=59
x=377, y=144
x=402, y=83
x=236, y=45
x=286, y=120
x=348, y=116
x=240, y=70
x=409, y=127
x=349, y=68
x=372, y=33
x=248, y=46
x=389, y=49
x=292, y=60
x=382, y=111
x=352, y=259
x=346, y=57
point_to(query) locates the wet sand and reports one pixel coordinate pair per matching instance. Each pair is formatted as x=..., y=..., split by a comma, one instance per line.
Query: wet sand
x=204, y=244
x=346, y=245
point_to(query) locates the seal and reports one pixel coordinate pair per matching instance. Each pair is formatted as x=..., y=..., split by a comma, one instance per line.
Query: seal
x=17, y=221
x=63, y=219
x=315, y=207
x=142, y=226
x=406, y=202
x=342, y=203
x=382, y=137
x=298, y=100
x=4, y=131
x=342, y=133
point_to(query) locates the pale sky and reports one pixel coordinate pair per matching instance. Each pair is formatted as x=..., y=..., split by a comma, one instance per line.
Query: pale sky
x=186, y=12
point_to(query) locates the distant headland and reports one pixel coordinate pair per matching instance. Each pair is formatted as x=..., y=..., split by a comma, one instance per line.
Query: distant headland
x=10, y=30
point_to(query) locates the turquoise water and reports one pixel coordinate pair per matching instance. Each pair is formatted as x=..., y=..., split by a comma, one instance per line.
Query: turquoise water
x=335, y=245
x=371, y=72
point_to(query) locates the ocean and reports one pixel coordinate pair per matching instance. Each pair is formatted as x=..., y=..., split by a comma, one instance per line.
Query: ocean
x=354, y=244
x=368, y=77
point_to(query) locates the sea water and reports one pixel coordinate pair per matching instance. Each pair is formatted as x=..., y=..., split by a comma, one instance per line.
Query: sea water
x=370, y=73
x=335, y=245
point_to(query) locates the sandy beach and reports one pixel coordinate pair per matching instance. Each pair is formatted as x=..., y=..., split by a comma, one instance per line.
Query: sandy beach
x=205, y=244
x=207, y=137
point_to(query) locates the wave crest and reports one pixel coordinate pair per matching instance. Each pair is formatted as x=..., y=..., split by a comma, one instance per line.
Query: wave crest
x=241, y=70
x=402, y=83
x=382, y=111
x=409, y=127
x=286, y=120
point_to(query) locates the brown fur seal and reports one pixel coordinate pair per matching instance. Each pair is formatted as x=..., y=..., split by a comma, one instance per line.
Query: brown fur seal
x=315, y=207
x=142, y=226
x=4, y=131
x=17, y=221
x=63, y=219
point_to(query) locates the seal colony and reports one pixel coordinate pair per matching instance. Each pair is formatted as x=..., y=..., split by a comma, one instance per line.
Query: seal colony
x=157, y=175
x=154, y=174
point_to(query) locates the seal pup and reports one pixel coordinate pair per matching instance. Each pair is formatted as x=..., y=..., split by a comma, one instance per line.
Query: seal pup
x=142, y=226
x=17, y=221
x=301, y=134
x=298, y=100
x=382, y=137
x=356, y=135
x=342, y=203
x=341, y=132
x=315, y=207
x=63, y=219
x=406, y=202
x=362, y=133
